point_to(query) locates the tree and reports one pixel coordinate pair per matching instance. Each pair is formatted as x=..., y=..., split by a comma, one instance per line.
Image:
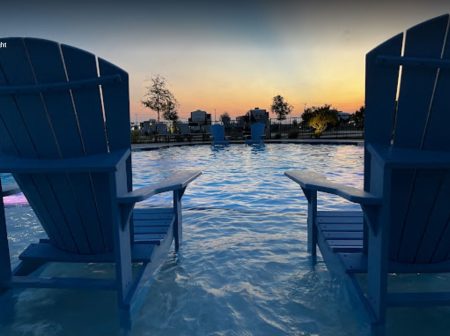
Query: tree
x=307, y=114
x=158, y=97
x=281, y=108
x=320, y=118
x=171, y=113
x=225, y=119
x=357, y=118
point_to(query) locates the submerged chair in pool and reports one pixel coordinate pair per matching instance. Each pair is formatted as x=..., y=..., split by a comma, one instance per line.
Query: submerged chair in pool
x=218, y=135
x=404, y=223
x=65, y=136
x=257, y=134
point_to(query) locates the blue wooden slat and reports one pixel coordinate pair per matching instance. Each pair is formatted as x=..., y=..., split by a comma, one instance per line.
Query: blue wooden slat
x=152, y=211
x=81, y=283
x=154, y=220
x=44, y=252
x=321, y=214
x=82, y=65
x=424, y=197
x=11, y=123
x=33, y=122
x=417, y=84
x=424, y=40
x=437, y=137
x=343, y=234
x=150, y=229
x=400, y=204
x=434, y=243
x=73, y=190
x=116, y=104
x=340, y=219
x=341, y=227
x=343, y=248
x=380, y=95
x=117, y=107
x=344, y=242
x=149, y=236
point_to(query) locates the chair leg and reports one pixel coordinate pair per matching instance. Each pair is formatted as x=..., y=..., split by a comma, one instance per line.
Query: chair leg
x=178, y=224
x=5, y=261
x=123, y=260
x=311, y=196
x=123, y=267
x=377, y=276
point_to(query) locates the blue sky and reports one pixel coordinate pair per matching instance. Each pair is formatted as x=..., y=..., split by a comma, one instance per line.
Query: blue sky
x=228, y=55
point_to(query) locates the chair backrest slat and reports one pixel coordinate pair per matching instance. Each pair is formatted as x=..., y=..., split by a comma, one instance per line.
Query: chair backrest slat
x=381, y=88
x=116, y=103
x=83, y=65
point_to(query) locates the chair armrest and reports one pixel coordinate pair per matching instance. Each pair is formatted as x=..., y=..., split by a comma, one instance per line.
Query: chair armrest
x=317, y=182
x=410, y=158
x=175, y=182
x=90, y=163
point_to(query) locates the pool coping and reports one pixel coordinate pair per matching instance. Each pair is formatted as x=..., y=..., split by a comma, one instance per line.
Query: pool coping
x=161, y=145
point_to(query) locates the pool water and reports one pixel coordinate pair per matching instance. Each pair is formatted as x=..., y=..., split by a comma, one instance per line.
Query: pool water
x=243, y=268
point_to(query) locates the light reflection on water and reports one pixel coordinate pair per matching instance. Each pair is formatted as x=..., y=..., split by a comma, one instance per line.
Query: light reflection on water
x=243, y=269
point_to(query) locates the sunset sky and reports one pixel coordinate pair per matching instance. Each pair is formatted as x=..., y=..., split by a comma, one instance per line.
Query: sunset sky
x=228, y=55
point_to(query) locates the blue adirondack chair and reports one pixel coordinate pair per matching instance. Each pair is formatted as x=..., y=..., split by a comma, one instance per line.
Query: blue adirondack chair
x=65, y=137
x=403, y=226
x=218, y=135
x=257, y=134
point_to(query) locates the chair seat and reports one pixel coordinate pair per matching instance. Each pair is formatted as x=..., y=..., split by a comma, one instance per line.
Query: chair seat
x=151, y=228
x=151, y=225
x=342, y=230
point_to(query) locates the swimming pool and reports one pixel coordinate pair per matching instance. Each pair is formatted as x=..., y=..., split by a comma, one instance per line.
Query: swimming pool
x=243, y=270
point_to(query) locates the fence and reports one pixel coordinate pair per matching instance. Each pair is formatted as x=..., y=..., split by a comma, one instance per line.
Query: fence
x=290, y=128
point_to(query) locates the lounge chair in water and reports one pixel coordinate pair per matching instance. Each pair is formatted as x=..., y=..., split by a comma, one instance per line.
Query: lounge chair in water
x=218, y=135
x=257, y=134
x=65, y=136
x=404, y=223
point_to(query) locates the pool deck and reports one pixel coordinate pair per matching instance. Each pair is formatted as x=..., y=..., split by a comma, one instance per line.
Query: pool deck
x=160, y=145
